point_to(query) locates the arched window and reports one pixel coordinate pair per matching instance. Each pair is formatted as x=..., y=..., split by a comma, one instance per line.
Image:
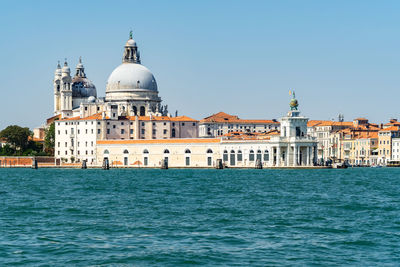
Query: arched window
x=209, y=151
x=266, y=155
x=126, y=151
x=145, y=151
x=239, y=155
x=251, y=155
x=225, y=155
x=166, y=151
x=106, y=152
x=173, y=133
x=134, y=110
x=142, y=111
x=259, y=154
x=187, y=151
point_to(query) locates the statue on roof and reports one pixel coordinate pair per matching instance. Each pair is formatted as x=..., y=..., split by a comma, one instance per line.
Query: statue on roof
x=293, y=102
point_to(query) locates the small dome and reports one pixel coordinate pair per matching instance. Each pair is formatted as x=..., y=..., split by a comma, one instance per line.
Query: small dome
x=83, y=87
x=130, y=43
x=91, y=99
x=131, y=76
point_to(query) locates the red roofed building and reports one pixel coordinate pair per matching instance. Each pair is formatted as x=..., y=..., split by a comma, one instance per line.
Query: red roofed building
x=222, y=123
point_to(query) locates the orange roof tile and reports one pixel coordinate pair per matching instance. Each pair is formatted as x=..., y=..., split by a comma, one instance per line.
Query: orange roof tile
x=99, y=116
x=222, y=117
x=391, y=129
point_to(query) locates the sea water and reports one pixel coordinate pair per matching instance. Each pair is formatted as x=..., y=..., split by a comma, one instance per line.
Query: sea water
x=180, y=217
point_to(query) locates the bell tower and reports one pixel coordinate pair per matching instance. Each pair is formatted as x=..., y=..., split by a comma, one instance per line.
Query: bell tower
x=66, y=91
x=57, y=90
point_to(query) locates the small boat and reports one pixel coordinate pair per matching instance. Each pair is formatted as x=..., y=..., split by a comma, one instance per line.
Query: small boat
x=340, y=165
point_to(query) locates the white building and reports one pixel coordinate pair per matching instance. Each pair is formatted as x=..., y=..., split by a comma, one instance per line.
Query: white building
x=291, y=148
x=222, y=123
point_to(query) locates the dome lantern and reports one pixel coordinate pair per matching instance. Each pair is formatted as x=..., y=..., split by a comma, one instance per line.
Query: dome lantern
x=131, y=53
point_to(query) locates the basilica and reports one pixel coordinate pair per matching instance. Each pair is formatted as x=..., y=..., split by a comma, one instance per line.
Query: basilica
x=131, y=90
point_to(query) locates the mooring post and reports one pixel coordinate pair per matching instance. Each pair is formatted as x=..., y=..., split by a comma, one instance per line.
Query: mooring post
x=258, y=164
x=219, y=165
x=106, y=164
x=164, y=164
x=34, y=164
x=84, y=166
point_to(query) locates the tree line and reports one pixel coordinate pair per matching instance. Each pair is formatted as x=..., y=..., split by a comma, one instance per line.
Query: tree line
x=18, y=141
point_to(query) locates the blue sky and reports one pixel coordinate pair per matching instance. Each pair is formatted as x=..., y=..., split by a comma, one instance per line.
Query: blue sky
x=240, y=57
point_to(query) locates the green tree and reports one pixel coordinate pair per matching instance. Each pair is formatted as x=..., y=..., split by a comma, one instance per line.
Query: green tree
x=50, y=137
x=17, y=136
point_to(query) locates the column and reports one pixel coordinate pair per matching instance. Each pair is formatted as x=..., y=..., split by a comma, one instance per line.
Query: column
x=295, y=155
x=298, y=155
x=278, y=156
x=287, y=155
x=308, y=156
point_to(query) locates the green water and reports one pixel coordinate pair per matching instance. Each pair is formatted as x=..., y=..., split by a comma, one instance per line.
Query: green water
x=54, y=217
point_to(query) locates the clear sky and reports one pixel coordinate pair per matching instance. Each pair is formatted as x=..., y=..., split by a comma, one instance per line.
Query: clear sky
x=240, y=57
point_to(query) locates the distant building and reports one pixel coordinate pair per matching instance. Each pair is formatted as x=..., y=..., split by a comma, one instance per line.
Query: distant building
x=222, y=123
x=385, y=143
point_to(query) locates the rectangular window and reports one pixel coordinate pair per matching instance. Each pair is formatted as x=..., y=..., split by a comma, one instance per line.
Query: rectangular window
x=154, y=131
x=86, y=131
x=98, y=131
x=122, y=123
x=183, y=124
x=58, y=144
x=187, y=161
x=108, y=131
x=122, y=131
x=145, y=161
x=113, y=126
x=209, y=161
x=131, y=131
x=65, y=144
x=165, y=131
x=142, y=131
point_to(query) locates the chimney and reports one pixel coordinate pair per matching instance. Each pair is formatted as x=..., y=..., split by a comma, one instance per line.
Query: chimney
x=381, y=126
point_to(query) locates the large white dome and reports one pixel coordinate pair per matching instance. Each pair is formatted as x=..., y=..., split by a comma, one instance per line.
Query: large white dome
x=131, y=77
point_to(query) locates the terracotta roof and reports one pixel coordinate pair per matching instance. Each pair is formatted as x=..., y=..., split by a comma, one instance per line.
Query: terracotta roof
x=162, y=118
x=160, y=141
x=222, y=117
x=54, y=118
x=391, y=129
x=367, y=135
x=313, y=123
x=99, y=116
